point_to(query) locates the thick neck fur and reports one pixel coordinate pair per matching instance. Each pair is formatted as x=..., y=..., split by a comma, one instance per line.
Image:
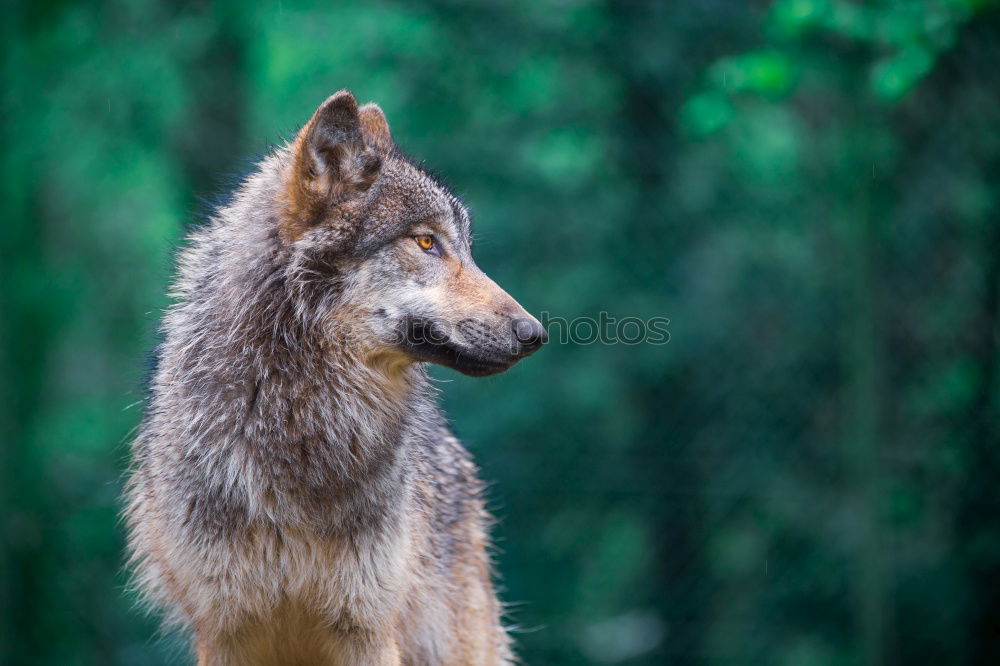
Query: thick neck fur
x=274, y=417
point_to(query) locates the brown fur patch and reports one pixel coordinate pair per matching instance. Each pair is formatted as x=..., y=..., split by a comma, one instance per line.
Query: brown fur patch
x=330, y=165
x=375, y=127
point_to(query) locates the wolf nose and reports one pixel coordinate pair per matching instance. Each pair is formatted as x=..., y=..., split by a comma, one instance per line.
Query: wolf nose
x=530, y=334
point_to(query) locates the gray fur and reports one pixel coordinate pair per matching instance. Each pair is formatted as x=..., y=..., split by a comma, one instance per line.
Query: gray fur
x=296, y=496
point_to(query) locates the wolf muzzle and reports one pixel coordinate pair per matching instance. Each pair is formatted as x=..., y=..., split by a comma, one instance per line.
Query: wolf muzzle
x=473, y=348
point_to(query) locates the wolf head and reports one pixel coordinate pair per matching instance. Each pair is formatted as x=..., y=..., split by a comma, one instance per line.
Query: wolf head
x=397, y=244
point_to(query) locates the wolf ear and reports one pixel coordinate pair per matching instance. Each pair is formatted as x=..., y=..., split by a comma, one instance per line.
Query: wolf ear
x=374, y=127
x=331, y=163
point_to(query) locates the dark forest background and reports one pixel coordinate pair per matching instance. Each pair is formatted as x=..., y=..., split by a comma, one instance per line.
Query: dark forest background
x=807, y=474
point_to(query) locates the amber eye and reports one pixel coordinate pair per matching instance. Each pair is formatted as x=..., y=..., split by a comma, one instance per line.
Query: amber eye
x=425, y=241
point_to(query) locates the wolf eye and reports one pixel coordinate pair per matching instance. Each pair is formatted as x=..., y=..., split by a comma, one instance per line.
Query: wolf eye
x=425, y=241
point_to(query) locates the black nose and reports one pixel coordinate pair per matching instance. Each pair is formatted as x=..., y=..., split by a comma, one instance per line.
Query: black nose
x=530, y=334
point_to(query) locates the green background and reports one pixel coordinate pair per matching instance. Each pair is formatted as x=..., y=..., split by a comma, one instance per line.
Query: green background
x=807, y=474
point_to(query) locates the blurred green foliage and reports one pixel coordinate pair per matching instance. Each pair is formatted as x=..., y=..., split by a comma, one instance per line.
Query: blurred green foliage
x=805, y=475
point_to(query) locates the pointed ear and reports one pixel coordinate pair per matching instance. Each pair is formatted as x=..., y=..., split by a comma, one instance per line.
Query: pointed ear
x=374, y=127
x=330, y=163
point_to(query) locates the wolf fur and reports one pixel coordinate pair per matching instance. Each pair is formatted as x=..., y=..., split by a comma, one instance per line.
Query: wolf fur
x=296, y=496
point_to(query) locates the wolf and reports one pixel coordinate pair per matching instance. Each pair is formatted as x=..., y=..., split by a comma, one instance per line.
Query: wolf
x=295, y=495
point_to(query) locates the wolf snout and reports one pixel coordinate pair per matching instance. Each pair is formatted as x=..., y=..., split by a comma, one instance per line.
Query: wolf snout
x=530, y=335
